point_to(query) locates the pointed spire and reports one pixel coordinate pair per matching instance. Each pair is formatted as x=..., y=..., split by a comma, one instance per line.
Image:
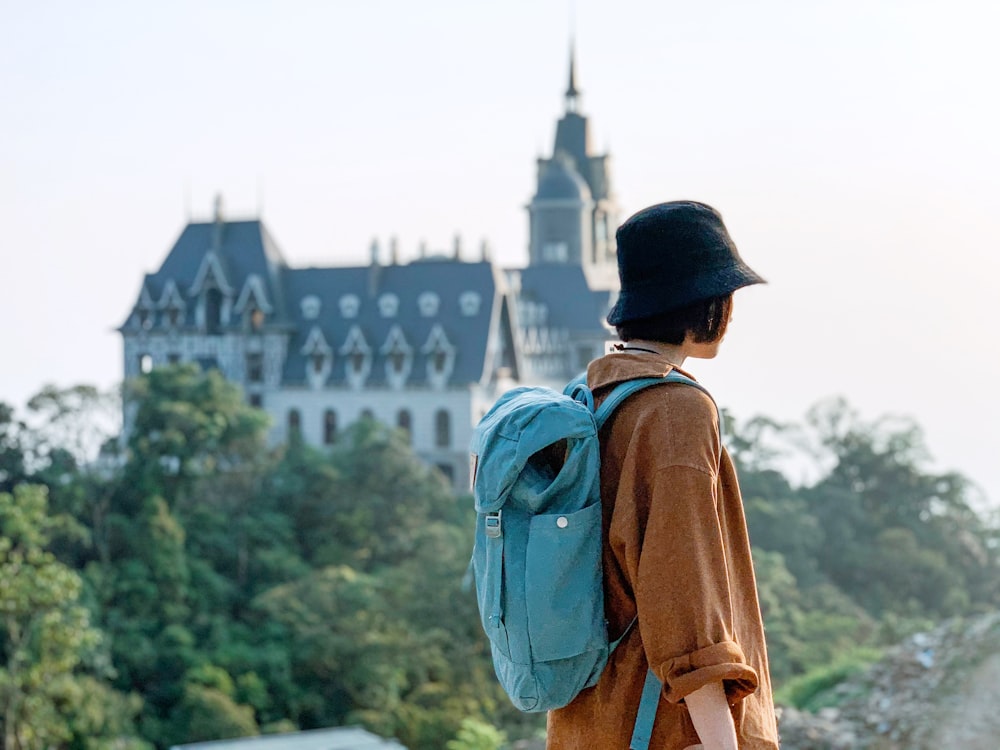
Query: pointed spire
x=219, y=223
x=572, y=92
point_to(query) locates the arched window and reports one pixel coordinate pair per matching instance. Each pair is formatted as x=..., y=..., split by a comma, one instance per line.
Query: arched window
x=404, y=420
x=255, y=367
x=329, y=427
x=442, y=429
x=367, y=414
x=294, y=424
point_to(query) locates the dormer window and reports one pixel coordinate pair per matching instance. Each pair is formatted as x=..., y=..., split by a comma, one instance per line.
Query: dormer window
x=440, y=357
x=349, y=305
x=319, y=358
x=213, y=310
x=310, y=307
x=398, y=357
x=173, y=305
x=469, y=303
x=318, y=361
x=357, y=354
x=256, y=319
x=145, y=309
x=215, y=295
x=388, y=305
x=428, y=302
x=253, y=304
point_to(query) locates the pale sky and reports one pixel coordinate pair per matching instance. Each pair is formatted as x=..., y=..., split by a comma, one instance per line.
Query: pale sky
x=853, y=148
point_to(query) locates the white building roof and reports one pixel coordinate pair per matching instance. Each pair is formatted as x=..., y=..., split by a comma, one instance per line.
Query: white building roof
x=341, y=738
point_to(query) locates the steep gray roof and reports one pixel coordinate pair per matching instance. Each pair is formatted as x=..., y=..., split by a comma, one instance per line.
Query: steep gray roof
x=242, y=248
x=563, y=290
x=413, y=287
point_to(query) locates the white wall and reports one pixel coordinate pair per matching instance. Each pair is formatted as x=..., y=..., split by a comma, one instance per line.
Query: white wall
x=385, y=404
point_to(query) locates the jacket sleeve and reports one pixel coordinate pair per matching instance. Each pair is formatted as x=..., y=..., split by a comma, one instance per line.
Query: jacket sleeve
x=683, y=586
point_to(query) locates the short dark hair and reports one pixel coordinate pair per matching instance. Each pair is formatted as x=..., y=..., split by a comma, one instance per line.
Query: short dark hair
x=706, y=320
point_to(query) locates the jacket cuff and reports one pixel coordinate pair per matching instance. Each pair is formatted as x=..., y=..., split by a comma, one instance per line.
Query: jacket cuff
x=721, y=662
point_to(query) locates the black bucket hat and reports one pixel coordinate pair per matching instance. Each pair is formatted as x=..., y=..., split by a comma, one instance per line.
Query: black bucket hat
x=673, y=254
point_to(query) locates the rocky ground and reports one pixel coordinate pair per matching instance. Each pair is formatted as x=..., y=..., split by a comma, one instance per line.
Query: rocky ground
x=935, y=690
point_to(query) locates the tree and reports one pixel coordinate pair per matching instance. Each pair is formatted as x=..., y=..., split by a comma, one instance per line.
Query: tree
x=187, y=425
x=477, y=735
x=380, y=495
x=45, y=634
x=77, y=420
x=887, y=520
x=208, y=711
x=12, y=451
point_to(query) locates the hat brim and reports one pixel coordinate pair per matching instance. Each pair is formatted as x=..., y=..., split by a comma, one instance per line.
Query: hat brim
x=657, y=298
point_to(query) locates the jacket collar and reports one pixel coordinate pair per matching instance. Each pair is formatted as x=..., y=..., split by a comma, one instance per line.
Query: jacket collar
x=618, y=367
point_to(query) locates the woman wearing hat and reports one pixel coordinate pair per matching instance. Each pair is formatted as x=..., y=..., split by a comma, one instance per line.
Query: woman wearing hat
x=676, y=553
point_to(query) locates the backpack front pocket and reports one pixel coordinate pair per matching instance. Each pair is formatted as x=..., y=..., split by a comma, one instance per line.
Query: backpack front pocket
x=563, y=584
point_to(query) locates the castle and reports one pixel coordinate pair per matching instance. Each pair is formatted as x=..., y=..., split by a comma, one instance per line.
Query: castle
x=426, y=346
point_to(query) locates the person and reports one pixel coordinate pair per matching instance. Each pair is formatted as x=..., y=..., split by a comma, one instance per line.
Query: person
x=679, y=579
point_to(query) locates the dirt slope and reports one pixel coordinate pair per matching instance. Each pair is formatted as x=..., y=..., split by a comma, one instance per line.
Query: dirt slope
x=936, y=690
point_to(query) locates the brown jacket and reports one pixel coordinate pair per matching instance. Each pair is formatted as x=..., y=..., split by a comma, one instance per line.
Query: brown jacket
x=676, y=553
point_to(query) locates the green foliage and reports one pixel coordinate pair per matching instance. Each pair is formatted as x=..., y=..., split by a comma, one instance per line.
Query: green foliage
x=816, y=689
x=365, y=502
x=876, y=547
x=46, y=638
x=188, y=424
x=13, y=470
x=205, y=713
x=477, y=735
x=241, y=590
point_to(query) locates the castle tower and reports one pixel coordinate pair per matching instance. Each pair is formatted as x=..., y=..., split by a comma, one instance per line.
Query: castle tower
x=573, y=214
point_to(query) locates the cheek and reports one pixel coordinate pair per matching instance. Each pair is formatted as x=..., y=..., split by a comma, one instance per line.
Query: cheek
x=706, y=351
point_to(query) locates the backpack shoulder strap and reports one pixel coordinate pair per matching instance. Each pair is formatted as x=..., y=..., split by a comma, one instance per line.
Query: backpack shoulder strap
x=623, y=391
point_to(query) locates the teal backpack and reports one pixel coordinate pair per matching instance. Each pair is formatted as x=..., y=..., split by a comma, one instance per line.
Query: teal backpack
x=537, y=554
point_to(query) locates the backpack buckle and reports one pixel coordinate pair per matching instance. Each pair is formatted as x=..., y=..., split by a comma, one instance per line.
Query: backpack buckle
x=494, y=526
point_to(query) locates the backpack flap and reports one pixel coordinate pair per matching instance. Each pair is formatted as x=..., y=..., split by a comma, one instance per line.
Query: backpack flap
x=512, y=433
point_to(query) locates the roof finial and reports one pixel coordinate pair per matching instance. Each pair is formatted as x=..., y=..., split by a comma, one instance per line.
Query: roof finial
x=218, y=208
x=572, y=92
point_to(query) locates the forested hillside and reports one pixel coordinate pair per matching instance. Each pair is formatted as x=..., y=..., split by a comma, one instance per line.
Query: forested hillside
x=197, y=585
